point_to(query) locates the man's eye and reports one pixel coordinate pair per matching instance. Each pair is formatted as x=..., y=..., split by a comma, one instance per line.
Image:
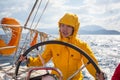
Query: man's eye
x=69, y=26
x=62, y=25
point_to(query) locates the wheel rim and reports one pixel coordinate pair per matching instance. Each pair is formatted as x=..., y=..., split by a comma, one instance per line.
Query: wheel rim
x=61, y=43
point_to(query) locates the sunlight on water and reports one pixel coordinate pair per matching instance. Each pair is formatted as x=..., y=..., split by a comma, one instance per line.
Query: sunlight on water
x=106, y=49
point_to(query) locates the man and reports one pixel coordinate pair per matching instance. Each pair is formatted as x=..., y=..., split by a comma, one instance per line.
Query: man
x=63, y=57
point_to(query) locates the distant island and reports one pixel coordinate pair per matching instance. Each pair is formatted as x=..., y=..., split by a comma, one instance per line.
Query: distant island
x=87, y=30
x=95, y=29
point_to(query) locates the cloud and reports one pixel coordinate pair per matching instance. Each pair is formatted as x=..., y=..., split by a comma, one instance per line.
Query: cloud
x=105, y=13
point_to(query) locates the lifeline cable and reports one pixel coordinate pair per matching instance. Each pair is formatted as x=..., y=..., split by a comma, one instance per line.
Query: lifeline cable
x=31, y=13
x=42, y=14
x=35, y=14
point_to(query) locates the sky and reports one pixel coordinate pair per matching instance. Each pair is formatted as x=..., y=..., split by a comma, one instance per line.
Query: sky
x=104, y=13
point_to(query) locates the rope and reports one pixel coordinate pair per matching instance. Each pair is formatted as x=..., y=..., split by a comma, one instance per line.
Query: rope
x=42, y=14
x=21, y=27
x=31, y=13
x=5, y=31
x=28, y=20
x=8, y=47
x=10, y=25
x=35, y=14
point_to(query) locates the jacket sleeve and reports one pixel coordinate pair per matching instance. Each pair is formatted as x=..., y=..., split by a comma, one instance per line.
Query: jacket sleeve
x=90, y=67
x=46, y=55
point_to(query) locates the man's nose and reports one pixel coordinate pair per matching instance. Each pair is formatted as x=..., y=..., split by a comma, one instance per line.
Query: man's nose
x=65, y=27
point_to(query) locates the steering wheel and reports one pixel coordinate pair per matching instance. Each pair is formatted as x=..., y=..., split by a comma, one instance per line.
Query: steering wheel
x=60, y=43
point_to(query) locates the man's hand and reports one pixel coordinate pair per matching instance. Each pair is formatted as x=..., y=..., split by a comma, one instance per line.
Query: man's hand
x=22, y=58
x=101, y=76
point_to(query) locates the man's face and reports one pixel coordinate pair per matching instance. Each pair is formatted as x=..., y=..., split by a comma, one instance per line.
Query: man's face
x=66, y=30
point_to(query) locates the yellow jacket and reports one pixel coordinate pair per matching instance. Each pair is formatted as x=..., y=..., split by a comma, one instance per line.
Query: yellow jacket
x=65, y=58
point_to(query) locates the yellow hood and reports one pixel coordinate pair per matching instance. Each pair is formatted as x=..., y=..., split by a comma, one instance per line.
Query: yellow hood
x=72, y=20
x=65, y=58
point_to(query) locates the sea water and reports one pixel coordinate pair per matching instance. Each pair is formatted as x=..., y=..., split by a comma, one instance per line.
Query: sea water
x=105, y=47
x=107, y=51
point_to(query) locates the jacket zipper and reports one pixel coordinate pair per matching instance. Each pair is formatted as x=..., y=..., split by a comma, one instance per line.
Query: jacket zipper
x=68, y=60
